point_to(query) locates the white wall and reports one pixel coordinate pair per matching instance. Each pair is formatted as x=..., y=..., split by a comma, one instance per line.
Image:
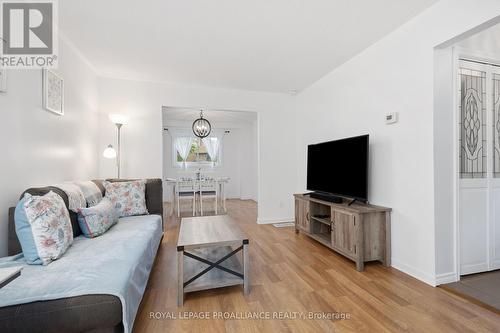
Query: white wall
x=38, y=147
x=394, y=75
x=444, y=173
x=142, y=137
x=249, y=167
x=239, y=158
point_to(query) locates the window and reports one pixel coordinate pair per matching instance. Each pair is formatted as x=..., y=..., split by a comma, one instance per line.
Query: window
x=191, y=151
x=473, y=136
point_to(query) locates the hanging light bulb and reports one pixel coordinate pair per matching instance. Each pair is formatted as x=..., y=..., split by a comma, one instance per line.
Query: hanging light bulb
x=201, y=127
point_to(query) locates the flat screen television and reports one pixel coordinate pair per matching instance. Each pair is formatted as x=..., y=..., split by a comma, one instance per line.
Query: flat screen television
x=339, y=168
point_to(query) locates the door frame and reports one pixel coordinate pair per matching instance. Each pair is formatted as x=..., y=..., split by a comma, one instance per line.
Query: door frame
x=458, y=54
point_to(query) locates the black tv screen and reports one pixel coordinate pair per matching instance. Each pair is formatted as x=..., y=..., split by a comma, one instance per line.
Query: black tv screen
x=339, y=167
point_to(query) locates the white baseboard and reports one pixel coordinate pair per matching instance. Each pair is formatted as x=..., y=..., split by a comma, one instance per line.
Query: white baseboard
x=496, y=264
x=472, y=269
x=446, y=278
x=262, y=220
x=414, y=272
x=247, y=198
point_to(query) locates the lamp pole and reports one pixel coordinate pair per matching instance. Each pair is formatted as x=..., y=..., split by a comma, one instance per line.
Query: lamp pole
x=118, y=155
x=119, y=120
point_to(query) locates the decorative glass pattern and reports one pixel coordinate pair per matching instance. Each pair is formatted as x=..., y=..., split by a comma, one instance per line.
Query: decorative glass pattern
x=496, y=125
x=472, y=123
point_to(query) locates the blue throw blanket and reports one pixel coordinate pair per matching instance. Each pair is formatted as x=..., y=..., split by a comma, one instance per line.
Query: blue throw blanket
x=117, y=263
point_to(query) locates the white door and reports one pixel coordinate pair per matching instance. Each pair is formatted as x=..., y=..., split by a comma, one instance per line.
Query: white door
x=479, y=160
x=495, y=176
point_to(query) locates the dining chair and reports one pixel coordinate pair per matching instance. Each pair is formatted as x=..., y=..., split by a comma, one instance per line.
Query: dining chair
x=185, y=189
x=208, y=188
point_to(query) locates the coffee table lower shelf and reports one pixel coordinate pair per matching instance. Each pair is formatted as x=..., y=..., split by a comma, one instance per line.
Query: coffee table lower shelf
x=215, y=278
x=202, y=269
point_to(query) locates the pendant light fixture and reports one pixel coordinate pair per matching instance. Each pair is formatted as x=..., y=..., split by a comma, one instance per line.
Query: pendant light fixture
x=201, y=127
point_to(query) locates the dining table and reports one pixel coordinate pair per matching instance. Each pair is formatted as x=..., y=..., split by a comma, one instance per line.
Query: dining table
x=221, y=182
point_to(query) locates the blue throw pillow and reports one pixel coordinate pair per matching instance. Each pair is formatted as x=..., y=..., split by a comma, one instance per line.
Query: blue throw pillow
x=96, y=220
x=24, y=234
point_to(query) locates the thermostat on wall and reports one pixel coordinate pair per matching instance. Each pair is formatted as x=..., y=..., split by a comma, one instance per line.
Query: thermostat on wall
x=391, y=118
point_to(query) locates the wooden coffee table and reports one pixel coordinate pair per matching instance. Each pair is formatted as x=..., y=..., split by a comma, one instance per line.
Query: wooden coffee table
x=206, y=255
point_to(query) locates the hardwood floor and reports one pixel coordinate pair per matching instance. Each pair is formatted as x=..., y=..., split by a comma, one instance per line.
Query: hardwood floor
x=293, y=274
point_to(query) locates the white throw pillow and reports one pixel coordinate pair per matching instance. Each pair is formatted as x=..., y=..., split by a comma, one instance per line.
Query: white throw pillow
x=128, y=197
x=43, y=227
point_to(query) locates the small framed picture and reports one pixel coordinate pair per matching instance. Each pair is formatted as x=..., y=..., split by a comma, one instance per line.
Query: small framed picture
x=3, y=79
x=53, y=92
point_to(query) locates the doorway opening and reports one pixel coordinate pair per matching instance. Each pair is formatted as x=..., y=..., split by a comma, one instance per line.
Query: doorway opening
x=467, y=110
x=219, y=167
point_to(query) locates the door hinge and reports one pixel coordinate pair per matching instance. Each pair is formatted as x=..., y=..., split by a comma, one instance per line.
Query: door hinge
x=354, y=248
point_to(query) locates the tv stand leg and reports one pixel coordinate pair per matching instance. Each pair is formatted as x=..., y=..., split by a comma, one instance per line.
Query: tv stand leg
x=387, y=240
x=359, y=247
x=360, y=266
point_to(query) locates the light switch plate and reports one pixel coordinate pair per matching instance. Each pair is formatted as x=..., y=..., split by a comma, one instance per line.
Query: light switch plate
x=391, y=118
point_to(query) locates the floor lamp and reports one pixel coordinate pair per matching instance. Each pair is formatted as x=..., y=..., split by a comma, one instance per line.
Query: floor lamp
x=110, y=152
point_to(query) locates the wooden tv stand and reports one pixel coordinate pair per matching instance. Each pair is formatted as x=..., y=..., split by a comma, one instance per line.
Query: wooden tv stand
x=360, y=232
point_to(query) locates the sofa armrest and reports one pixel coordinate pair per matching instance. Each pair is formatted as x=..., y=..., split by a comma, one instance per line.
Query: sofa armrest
x=154, y=196
x=14, y=247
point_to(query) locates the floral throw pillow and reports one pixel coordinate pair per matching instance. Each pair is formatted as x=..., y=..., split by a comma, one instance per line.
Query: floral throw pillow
x=128, y=198
x=43, y=227
x=96, y=220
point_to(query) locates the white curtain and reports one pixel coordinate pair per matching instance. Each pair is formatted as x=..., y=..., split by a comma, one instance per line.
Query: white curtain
x=212, y=145
x=183, y=146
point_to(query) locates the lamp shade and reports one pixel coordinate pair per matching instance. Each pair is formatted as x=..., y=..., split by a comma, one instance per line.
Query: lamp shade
x=109, y=152
x=119, y=118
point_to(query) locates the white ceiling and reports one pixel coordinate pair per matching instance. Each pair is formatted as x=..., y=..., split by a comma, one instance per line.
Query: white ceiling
x=485, y=41
x=270, y=45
